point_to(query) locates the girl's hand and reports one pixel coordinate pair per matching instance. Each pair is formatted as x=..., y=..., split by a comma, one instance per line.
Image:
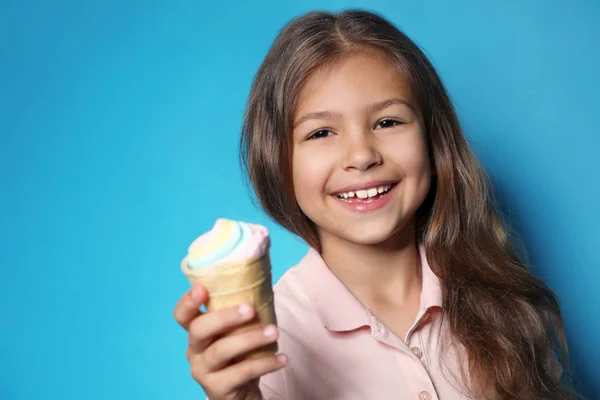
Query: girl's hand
x=210, y=356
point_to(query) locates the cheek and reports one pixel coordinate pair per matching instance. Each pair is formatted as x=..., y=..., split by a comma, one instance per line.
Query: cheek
x=301, y=173
x=309, y=174
x=417, y=167
x=417, y=162
x=411, y=154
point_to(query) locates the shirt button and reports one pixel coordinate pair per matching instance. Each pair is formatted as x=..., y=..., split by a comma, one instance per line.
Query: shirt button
x=378, y=328
x=417, y=352
x=424, y=395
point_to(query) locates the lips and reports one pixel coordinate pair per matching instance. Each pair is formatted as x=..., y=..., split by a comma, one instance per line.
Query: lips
x=365, y=186
x=365, y=198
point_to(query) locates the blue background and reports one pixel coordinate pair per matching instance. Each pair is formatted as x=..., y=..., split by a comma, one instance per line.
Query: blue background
x=119, y=125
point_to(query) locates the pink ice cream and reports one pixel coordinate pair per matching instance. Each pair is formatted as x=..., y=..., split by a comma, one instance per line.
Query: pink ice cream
x=228, y=241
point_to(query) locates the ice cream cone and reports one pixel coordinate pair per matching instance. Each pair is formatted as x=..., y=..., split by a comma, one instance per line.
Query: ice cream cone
x=232, y=283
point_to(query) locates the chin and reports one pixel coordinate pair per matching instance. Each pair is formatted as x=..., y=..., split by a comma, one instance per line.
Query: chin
x=368, y=239
x=370, y=233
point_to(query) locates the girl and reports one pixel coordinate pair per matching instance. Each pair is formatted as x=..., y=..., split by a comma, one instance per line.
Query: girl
x=411, y=288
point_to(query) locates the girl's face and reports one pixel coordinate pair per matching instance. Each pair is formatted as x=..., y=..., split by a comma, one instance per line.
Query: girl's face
x=360, y=162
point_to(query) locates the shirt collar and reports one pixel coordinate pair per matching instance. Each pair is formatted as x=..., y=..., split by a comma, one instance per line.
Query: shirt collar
x=337, y=307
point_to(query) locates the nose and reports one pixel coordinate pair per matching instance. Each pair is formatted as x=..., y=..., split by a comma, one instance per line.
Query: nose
x=361, y=153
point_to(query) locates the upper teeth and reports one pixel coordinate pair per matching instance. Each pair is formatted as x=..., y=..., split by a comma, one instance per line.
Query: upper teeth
x=363, y=194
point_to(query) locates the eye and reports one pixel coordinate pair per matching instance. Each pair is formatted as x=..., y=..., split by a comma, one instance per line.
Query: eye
x=319, y=134
x=388, y=123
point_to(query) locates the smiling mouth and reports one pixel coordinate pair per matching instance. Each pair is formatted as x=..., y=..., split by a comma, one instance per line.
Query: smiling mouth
x=365, y=195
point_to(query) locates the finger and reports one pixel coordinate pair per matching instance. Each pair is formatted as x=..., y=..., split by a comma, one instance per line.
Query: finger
x=224, y=350
x=188, y=307
x=204, y=330
x=230, y=378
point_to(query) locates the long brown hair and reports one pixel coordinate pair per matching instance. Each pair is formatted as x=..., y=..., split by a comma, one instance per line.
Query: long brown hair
x=505, y=319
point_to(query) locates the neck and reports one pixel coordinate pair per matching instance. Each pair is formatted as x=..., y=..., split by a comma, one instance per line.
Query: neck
x=379, y=274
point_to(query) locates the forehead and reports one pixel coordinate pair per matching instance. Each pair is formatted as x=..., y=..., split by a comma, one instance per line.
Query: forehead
x=366, y=76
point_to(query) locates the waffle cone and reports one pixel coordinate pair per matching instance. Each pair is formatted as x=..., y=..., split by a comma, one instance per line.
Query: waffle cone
x=232, y=283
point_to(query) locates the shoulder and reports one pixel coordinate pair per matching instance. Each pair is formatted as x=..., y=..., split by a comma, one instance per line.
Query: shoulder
x=295, y=310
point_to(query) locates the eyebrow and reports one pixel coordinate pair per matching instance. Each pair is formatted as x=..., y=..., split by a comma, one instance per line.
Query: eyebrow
x=373, y=107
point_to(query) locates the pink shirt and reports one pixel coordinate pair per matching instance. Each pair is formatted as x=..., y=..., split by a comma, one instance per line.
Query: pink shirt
x=338, y=350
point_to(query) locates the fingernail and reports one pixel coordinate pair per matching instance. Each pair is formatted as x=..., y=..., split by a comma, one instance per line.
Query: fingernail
x=282, y=358
x=270, y=331
x=245, y=310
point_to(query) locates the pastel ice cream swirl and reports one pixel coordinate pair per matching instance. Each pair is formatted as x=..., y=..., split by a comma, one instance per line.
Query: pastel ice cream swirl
x=228, y=241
